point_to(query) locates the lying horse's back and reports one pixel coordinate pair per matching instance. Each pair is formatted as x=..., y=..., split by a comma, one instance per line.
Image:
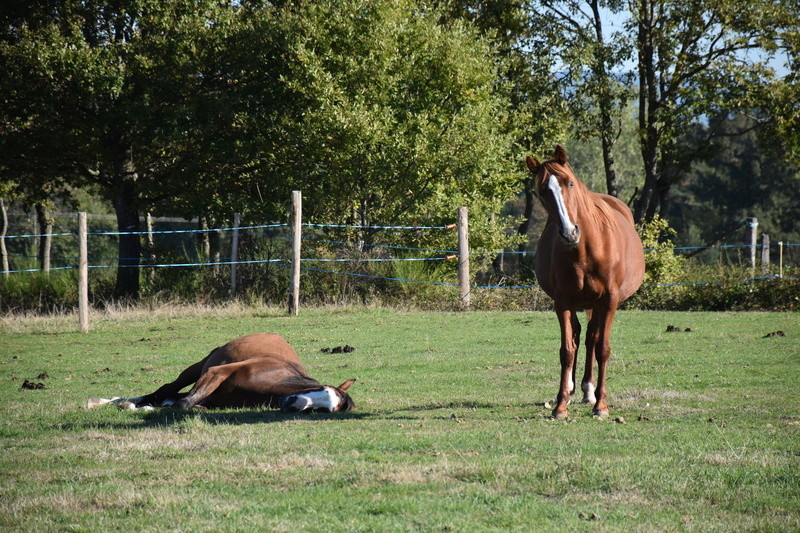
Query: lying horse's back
x=260, y=369
x=269, y=348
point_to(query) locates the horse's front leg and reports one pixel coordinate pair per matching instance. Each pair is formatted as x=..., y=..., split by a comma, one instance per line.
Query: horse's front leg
x=603, y=353
x=569, y=350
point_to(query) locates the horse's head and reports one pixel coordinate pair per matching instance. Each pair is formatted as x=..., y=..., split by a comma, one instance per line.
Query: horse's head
x=558, y=190
x=327, y=399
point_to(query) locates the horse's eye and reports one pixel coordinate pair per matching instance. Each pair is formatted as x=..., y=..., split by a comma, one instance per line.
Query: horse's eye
x=571, y=184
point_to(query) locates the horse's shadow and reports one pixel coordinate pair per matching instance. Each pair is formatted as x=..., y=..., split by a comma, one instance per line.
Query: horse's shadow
x=239, y=417
x=166, y=417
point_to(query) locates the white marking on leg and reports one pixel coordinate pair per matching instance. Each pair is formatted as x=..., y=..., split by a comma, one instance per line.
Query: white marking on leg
x=588, y=392
x=91, y=403
x=122, y=403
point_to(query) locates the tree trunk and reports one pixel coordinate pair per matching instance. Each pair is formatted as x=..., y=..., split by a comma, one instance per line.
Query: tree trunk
x=45, y=224
x=648, y=108
x=606, y=103
x=608, y=163
x=3, y=231
x=214, y=247
x=125, y=205
x=523, y=229
x=203, y=238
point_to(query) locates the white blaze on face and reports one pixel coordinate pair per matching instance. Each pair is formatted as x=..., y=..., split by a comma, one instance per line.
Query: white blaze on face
x=326, y=399
x=561, y=208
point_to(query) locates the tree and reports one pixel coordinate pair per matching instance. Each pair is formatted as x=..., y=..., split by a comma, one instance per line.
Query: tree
x=540, y=116
x=782, y=97
x=594, y=81
x=694, y=62
x=739, y=179
x=381, y=113
x=102, y=93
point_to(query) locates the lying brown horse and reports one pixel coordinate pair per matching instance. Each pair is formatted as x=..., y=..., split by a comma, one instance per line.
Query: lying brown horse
x=588, y=257
x=255, y=370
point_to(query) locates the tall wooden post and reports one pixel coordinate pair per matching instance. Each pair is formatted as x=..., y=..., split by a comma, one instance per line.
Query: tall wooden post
x=83, y=274
x=463, y=256
x=234, y=252
x=752, y=234
x=151, y=246
x=3, y=231
x=297, y=219
x=764, y=254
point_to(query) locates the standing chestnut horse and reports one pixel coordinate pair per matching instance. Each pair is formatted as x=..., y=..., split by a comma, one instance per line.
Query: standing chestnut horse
x=588, y=257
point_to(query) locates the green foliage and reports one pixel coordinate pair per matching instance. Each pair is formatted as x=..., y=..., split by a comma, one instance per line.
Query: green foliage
x=388, y=116
x=739, y=178
x=694, y=62
x=662, y=264
x=35, y=291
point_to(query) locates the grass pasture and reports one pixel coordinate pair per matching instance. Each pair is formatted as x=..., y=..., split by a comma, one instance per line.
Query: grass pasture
x=450, y=431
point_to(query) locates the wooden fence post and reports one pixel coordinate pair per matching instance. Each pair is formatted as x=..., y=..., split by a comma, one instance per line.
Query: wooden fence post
x=83, y=274
x=234, y=252
x=752, y=234
x=3, y=231
x=297, y=219
x=463, y=256
x=151, y=246
x=764, y=254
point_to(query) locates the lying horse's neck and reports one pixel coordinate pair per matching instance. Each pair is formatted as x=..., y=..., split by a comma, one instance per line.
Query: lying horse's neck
x=296, y=385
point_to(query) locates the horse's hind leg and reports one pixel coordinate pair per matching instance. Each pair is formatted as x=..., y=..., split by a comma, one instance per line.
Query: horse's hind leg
x=171, y=392
x=587, y=385
x=211, y=379
x=576, y=337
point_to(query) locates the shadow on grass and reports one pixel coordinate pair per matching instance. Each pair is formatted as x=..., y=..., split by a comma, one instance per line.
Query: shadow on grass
x=167, y=417
x=235, y=417
x=240, y=417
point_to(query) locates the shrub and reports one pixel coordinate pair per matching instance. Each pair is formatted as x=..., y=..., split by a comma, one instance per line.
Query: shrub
x=662, y=264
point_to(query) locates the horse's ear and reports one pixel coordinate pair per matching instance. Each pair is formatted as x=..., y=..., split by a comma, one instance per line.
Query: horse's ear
x=560, y=155
x=533, y=164
x=346, y=385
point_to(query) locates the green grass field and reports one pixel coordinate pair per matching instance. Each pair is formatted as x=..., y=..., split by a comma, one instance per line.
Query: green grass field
x=450, y=431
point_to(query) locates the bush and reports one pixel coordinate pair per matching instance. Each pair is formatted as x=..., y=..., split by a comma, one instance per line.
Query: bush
x=662, y=265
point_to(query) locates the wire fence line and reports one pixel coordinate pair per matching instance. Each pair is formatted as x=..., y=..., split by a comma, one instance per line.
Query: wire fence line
x=147, y=262
x=297, y=263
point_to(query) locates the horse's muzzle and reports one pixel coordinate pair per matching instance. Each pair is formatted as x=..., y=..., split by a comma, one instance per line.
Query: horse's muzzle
x=570, y=238
x=295, y=404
